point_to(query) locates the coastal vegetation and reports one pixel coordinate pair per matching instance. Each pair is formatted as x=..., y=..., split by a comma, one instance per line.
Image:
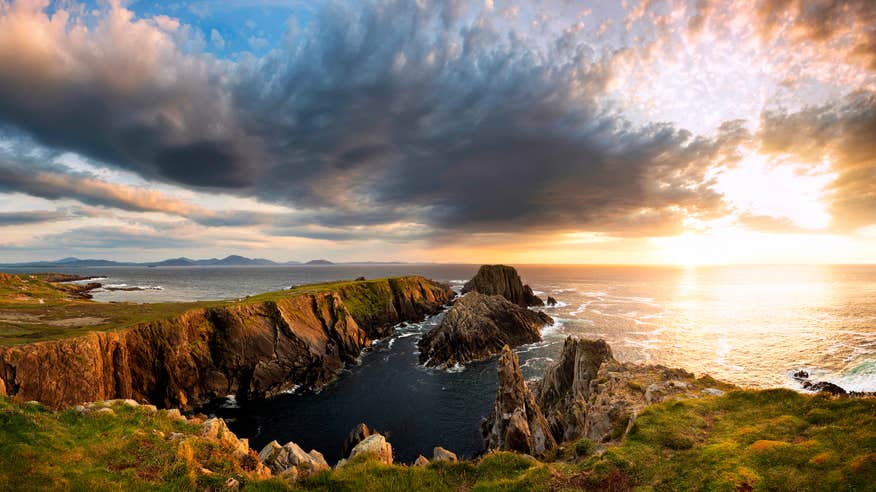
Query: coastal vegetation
x=744, y=440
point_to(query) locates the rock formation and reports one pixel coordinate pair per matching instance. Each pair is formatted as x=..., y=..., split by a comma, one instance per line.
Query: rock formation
x=588, y=393
x=440, y=454
x=357, y=435
x=290, y=459
x=478, y=326
x=249, y=349
x=517, y=423
x=551, y=301
x=374, y=446
x=502, y=280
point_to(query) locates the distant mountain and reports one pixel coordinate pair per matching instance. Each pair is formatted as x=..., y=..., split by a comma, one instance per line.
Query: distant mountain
x=232, y=260
x=319, y=262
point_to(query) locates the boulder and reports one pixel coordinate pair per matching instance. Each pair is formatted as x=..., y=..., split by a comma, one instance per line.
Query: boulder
x=421, y=461
x=551, y=301
x=215, y=428
x=376, y=447
x=517, y=423
x=502, y=280
x=441, y=454
x=477, y=327
x=282, y=458
x=357, y=435
x=824, y=387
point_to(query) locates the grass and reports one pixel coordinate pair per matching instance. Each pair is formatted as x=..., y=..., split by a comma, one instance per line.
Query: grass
x=41, y=449
x=33, y=310
x=745, y=440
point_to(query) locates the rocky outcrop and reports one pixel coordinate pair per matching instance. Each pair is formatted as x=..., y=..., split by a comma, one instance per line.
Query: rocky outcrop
x=357, y=435
x=291, y=460
x=477, y=327
x=588, y=393
x=250, y=349
x=502, y=280
x=375, y=447
x=440, y=454
x=517, y=423
x=551, y=301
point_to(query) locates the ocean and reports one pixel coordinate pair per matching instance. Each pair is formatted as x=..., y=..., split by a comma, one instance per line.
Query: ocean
x=749, y=325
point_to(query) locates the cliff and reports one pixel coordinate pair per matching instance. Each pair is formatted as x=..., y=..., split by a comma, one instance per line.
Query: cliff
x=251, y=349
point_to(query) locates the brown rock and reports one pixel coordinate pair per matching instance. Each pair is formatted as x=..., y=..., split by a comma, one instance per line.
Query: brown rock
x=516, y=423
x=551, y=301
x=375, y=447
x=282, y=458
x=421, y=461
x=252, y=350
x=357, y=435
x=477, y=327
x=440, y=454
x=502, y=280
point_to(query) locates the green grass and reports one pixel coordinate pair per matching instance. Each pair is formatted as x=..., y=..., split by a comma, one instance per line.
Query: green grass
x=745, y=440
x=45, y=450
x=32, y=310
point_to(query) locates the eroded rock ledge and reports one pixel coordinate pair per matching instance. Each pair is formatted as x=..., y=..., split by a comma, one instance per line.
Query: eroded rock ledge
x=249, y=349
x=477, y=327
x=587, y=393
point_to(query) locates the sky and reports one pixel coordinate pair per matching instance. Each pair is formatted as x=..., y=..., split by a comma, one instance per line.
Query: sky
x=539, y=131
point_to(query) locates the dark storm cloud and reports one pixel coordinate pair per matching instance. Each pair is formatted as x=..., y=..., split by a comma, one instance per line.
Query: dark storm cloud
x=371, y=113
x=32, y=217
x=844, y=133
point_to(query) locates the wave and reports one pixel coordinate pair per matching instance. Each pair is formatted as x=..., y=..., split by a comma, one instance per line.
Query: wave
x=559, y=304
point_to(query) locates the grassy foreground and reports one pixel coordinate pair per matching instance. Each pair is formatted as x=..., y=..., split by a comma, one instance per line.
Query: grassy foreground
x=745, y=440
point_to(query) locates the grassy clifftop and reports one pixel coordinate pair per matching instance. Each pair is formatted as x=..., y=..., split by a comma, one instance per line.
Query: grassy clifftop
x=34, y=310
x=745, y=440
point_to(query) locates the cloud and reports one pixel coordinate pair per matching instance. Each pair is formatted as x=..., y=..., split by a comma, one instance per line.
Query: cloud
x=216, y=39
x=841, y=133
x=32, y=217
x=371, y=113
x=55, y=185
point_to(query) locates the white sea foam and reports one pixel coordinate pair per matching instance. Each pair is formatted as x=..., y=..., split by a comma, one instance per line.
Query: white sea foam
x=559, y=304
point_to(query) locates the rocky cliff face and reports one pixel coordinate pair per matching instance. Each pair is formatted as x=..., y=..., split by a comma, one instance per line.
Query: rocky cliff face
x=502, y=280
x=249, y=349
x=517, y=423
x=478, y=326
x=588, y=393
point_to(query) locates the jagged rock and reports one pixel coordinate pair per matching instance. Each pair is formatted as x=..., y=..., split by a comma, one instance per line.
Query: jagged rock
x=587, y=393
x=360, y=279
x=174, y=414
x=357, y=435
x=824, y=387
x=250, y=349
x=516, y=423
x=421, y=461
x=551, y=301
x=375, y=446
x=478, y=326
x=232, y=484
x=216, y=428
x=441, y=454
x=502, y=280
x=281, y=458
x=801, y=375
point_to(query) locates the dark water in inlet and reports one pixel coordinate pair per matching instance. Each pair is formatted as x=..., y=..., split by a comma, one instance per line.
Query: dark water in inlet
x=749, y=325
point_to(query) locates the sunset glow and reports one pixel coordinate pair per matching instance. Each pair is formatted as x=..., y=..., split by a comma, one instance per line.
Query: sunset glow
x=667, y=131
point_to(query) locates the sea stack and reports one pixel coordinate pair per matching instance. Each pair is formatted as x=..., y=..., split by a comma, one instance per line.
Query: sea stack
x=502, y=280
x=516, y=423
x=477, y=327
